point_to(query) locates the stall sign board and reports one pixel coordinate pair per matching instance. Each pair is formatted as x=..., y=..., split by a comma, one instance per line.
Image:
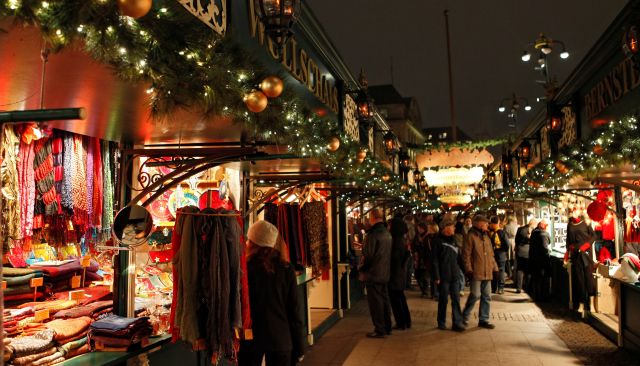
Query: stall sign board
x=560, y=234
x=37, y=282
x=76, y=295
x=75, y=281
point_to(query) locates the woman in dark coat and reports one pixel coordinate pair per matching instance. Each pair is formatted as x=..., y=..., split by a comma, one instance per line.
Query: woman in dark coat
x=400, y=257
x=276, y=315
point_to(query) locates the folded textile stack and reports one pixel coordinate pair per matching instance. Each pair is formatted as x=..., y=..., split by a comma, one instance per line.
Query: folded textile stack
x=116, y=333
x=59, y=276
x=37, y=349
x=18, y=280
x=12, y=319
x=92, y=310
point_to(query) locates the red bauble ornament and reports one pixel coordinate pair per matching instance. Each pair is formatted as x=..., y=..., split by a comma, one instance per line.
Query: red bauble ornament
x=134, y=8
x=598, y=150
x=597, y=211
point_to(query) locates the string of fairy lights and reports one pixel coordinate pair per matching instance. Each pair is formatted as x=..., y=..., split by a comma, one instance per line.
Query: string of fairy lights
x=618, y=143
x=199, y=69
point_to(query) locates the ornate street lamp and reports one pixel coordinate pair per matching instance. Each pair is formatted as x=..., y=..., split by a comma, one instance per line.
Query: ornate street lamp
x=554, y=120
x=545, y=46
x=364, y=102
x=405, y=161
x=278, y=17
x=514, y=104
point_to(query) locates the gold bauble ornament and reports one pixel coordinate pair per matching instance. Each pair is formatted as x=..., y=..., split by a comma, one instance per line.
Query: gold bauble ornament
x=334, y=144
x=386, y=177
x=404, y=187
x=272, y=86
x=255, y=101
x=361, y=155
x=134, y=8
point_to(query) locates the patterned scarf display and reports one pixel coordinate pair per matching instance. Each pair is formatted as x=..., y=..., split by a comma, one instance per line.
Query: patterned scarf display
x=79, y=181
x=26, y=181
x=44, y=175
x=67, y=164
x=10, y=188
x=108, y=191
x=98, y=192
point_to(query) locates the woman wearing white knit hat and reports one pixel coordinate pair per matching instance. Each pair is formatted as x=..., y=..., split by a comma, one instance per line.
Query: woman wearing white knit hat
x=276, y=315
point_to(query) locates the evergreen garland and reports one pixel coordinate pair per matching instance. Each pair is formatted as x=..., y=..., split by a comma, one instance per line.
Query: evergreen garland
x=186, y=65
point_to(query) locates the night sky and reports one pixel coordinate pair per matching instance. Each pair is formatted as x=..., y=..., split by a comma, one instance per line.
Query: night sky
x=488, y=38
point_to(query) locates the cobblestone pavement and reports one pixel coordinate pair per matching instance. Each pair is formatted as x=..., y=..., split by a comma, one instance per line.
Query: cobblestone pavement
x=525, y=335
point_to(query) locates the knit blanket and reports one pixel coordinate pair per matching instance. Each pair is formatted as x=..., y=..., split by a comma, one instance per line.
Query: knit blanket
x=68, y=328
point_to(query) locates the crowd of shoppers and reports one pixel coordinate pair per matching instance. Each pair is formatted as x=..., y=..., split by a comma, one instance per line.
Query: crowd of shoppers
x=442, y=255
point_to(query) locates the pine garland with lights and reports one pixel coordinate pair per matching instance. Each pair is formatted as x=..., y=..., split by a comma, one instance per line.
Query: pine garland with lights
x=615, y=145
x=195, y=68
x=465, y=145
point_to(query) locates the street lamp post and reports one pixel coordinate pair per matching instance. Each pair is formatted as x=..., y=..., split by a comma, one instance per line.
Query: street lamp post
x=278, y=17
x=545, y=46
x=514, y=104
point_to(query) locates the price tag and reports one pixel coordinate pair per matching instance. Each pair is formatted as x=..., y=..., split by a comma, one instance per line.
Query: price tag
x=76, y=295
x=75, y=281
x=4, y=285
x=42, y=315
x=85, y=261
x=37, y=282
x=248, y=334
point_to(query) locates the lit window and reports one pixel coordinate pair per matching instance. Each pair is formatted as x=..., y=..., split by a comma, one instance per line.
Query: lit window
x=444, y=135
x=430, y=137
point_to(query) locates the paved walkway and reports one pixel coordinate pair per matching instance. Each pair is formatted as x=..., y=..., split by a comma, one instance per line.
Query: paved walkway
x=523, y=336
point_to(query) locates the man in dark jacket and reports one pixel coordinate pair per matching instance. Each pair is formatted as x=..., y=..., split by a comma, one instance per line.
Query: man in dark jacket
x=500, y=251
x=400, y=257
x=539, y=261
x=446, y=270
x=375, y=271
x=522, y=255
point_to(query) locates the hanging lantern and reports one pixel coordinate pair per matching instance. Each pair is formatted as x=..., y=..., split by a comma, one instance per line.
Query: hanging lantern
x=278, y=17
x=361, y=155
x=390, y=147
x=134, y=8
x=256, y=101
x=630, y=44
x=272, y=86
x=524, y=152
x=334, y=144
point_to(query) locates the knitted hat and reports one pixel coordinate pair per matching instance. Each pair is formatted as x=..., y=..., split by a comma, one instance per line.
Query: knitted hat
x=263, y=234
x=446, y=222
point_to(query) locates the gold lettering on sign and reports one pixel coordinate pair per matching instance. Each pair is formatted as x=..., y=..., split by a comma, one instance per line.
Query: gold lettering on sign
x=350, y=111
x=569, y=128
x=297, y=62
x=622, y=79
x=211, y=12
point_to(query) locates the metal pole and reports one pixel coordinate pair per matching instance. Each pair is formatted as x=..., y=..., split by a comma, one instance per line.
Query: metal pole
x=454, y=130
x=35, y=115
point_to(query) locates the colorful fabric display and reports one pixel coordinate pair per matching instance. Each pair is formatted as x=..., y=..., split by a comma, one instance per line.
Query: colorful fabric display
x=31, y=345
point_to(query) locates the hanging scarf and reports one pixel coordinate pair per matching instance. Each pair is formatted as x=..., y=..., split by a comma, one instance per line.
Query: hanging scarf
x=79, y=181
x=68, y=168
x=10, y=188
x=107, y=203
x=58, y=169
x=27, y=186
x=44, y=175
x=98, y=189
x=89, y=180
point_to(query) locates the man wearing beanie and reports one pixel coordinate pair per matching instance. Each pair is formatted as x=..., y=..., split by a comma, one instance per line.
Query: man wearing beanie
x=479, y=265
x=375, y=272
x=446, y=269
x=276, y=315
